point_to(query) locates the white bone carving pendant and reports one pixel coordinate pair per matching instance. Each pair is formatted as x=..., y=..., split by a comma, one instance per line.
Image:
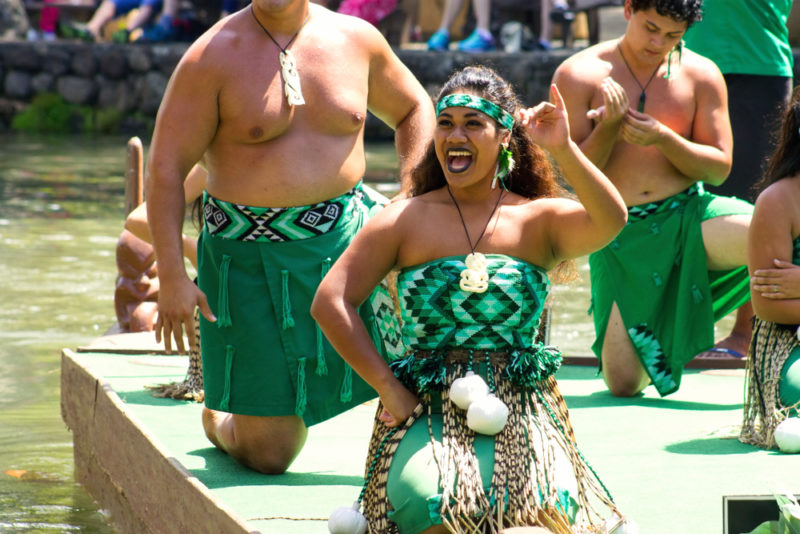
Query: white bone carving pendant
x=475, y=278
x=291, y=79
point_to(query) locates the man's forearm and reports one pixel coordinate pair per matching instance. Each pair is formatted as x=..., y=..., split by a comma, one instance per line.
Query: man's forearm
x=702, y=163
x=165, y=213
x=600, y=143
x=412, y=136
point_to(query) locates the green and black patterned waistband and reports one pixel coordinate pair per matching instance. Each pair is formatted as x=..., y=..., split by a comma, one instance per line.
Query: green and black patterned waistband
x=249, y=223
x=642, y=211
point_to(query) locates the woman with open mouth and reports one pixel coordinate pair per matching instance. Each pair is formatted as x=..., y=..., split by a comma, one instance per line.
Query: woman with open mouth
x=472, y=434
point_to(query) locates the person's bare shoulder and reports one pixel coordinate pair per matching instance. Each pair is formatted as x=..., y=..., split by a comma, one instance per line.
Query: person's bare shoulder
x=215, y=47
x=781, y=196
x=392, y=214
x=587, y=64
x=700, y=68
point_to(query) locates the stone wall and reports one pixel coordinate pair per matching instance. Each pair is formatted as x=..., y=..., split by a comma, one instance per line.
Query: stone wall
x=132, y=78
x=129, y=78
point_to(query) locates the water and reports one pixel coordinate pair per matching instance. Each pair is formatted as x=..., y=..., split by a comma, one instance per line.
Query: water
x=61, y=212
x=61, y=203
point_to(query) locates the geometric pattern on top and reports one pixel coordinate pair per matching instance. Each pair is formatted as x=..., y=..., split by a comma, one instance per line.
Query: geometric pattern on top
x=796, y=251
x=387, y=321
x=652, y=357
x=436, y=313
x=249, y=223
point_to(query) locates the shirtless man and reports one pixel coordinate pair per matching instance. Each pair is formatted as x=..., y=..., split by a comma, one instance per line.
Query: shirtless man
x=272, y=136
x=654, y=118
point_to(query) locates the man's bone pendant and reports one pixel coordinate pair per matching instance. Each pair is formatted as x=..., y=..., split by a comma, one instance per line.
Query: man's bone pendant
x=291, y=79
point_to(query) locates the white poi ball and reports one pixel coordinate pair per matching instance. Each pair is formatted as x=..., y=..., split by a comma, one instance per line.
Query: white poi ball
x=468, y=389
x=787, y=435
x=623, y=526
x=487, y=415
x=628, y=527
x=347, y=520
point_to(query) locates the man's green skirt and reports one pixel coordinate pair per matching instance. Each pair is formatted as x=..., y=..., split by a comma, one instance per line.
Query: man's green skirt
x=259, y=268
x=656, y=272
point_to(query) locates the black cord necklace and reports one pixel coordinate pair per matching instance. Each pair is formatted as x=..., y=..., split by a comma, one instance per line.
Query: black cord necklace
x=475, y=277
x=643, y=95
x=291, y=78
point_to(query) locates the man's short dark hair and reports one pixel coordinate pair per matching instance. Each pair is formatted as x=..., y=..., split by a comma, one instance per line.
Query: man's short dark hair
x=689, y=11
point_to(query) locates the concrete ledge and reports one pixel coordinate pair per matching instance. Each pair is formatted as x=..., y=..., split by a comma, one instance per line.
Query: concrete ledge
x=127, y=471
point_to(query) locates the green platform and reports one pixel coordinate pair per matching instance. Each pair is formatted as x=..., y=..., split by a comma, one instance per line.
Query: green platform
x=667, y=462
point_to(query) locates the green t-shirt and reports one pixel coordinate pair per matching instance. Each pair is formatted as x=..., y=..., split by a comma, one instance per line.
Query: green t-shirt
x=744, y=36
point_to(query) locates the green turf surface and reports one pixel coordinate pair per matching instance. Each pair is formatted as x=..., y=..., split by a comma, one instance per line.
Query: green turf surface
x=667, y=462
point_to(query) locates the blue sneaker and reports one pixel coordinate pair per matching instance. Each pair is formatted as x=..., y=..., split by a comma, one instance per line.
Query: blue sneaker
x=476, y=43
x=163, y=30
x=439, y=41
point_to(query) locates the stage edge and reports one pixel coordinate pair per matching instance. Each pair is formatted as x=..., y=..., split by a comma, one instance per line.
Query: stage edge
x=127, y=471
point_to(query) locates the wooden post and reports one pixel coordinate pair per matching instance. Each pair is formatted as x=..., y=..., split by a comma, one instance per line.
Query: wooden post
x=134, y=175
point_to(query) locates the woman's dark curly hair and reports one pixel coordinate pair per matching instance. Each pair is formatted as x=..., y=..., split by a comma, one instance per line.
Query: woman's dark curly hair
x=785, y=159
x=689, y=11
x=533, y=175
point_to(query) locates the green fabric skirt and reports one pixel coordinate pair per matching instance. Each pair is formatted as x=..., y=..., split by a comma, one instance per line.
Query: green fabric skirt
x=265, y=355
x=656, y=272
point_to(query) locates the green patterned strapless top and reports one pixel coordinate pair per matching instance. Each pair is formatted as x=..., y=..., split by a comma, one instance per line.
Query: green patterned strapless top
x=796, y=251
x=438, y=314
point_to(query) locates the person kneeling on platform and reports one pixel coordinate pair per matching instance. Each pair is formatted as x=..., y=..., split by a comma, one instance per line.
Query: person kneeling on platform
x=471, y=433
x=773, y=366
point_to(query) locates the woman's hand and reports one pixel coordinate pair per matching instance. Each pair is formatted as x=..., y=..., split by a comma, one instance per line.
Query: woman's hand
x=783, y=282
x=547, y=123
x=398, y=403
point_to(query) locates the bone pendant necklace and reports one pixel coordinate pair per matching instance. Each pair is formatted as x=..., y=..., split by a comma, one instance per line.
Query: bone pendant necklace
x=475, y=277
x=643, y=95
x=291, y=78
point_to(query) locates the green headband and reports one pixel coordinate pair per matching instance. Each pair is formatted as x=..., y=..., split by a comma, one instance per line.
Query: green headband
x=458, y=100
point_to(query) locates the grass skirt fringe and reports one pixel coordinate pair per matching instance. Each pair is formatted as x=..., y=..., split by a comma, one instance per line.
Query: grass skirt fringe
x=192, y=386
x=770, y=347
x=523, y=489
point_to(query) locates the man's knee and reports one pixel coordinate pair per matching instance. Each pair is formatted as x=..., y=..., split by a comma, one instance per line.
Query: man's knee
x=268, y=444
x=265, y=461
x=624, y=377
x=625, y=386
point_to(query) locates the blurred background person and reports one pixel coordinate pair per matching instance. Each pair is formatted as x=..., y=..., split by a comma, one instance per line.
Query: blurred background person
x=749, y=42
x=480, y=40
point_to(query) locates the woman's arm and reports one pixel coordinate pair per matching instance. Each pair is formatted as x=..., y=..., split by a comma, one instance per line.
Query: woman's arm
x=362, y=266
x=575, y=229
x=770, y=238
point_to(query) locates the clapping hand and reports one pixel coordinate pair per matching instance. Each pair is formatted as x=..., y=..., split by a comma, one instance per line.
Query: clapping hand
x=640, y=128
x=615, y=103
